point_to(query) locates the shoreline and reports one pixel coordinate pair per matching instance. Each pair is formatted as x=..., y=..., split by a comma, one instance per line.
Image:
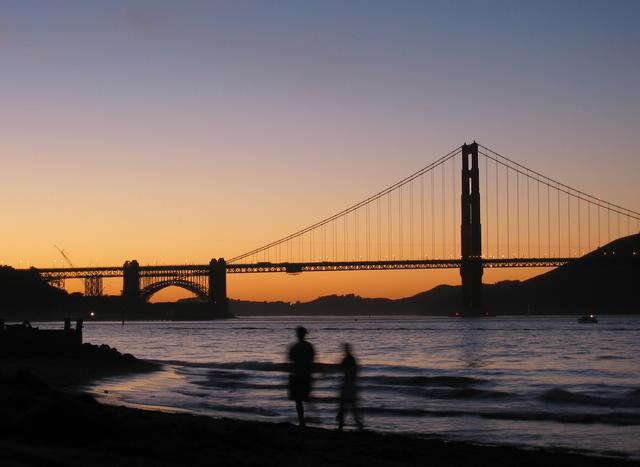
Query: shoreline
x=49, y=421
x=71, y=371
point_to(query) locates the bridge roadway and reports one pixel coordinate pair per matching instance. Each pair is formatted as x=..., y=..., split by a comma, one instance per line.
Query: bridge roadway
x=294, y=268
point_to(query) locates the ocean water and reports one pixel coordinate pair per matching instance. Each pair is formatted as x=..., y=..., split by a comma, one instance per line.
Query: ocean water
x=528, y=381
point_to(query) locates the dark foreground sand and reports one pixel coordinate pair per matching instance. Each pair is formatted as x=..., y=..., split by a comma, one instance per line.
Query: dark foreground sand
x=41, y=424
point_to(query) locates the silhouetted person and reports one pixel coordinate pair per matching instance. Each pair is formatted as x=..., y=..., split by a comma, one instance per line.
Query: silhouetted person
x=301, y=356
x=349, y=390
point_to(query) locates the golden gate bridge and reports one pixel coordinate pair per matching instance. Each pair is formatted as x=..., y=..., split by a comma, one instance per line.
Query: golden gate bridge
x=470, y=209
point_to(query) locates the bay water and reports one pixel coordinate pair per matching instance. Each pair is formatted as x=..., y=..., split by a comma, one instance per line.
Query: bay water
x=531, y=381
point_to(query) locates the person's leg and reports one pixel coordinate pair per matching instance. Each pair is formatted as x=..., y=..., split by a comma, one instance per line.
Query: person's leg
x=340, y=417
x=356, y=414
x=300, y=410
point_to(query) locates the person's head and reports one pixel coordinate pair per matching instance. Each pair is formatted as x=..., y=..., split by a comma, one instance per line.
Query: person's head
x=301, y=331
x=347, y=347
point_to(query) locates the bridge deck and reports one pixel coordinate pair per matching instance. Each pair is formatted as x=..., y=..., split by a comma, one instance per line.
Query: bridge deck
x=264, y=267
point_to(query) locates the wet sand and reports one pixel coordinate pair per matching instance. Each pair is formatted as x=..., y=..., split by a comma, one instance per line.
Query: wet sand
x=45, y=424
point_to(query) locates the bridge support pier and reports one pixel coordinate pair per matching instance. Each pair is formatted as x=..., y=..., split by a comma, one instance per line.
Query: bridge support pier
x=93, y=286
x=131, y=281
x=471, y=267
x=218, y=285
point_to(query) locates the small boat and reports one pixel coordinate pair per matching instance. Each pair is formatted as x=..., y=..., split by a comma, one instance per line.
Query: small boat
x=590, y=318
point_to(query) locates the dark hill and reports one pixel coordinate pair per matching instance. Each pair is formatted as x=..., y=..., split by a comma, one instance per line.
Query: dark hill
x=25, y=290
x=604, y=280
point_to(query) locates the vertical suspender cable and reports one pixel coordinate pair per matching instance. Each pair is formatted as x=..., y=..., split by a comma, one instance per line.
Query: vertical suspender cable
x=433, y=214
x=518, y=210
x=444, y=254
x=538, y=216
x=421, y=216
x=345, y=236
x=579, y=226
x=558, y=193
x=379, y=231
x=400, y=220
x=508, y=220
x=368, y=237
x=497, y=212
x=454, y=235
x=335, y=240
x=569, y=223
x=389, y=230
x=324, y=242
x=486, y=206
x=357, y=234
x=528, y=219
x=589, y=224
x=548, y=221
x=599, y=228
x=411, y=220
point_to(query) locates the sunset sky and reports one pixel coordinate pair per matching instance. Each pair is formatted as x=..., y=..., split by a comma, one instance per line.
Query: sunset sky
x=173, y=132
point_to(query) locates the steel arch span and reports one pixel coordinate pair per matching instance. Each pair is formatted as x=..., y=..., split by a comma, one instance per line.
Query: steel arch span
x=147, y=292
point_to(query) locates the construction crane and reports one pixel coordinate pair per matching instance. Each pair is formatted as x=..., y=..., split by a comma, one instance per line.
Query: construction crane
x=66, y=258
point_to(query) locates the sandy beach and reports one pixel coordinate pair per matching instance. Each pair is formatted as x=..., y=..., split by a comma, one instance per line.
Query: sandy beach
x=46, y=422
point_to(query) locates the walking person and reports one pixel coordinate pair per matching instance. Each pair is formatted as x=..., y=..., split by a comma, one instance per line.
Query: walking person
x=301, y=356
x=349, y=389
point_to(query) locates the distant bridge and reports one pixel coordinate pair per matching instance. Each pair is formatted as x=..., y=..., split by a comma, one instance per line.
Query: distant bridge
x=433, y=219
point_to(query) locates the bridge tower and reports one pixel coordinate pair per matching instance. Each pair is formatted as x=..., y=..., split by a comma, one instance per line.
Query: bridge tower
x=131, y=281
x=218, y=285
x=471, y=237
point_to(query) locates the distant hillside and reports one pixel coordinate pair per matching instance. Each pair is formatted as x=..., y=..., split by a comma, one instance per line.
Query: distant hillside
x=23, y=290
x=588, y=284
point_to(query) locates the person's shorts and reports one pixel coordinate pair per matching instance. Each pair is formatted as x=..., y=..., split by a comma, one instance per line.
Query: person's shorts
x=299, y=387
